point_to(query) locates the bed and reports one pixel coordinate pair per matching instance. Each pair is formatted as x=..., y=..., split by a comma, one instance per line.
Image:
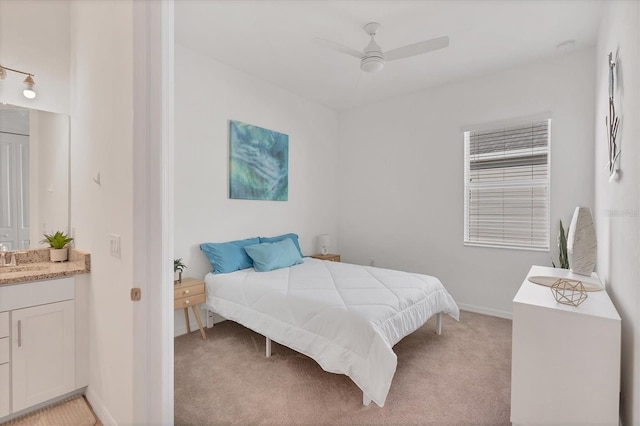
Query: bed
x=346, y=317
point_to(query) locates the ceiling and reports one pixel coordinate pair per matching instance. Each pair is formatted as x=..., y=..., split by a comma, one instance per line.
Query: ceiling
x=276, y=41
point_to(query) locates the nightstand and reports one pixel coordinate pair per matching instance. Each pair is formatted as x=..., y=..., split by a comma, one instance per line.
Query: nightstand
x=189, y=292
x=328, y=256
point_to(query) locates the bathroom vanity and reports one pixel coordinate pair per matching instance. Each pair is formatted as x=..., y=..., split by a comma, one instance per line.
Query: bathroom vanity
x=43, y=331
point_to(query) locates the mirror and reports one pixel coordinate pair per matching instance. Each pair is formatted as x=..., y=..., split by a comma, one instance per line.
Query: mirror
x=34, y=175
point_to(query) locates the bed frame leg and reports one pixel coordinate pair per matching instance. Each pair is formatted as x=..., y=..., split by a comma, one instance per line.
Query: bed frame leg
x=439, y=324
x=365, y=399
x=209, y=318
x=268, y=347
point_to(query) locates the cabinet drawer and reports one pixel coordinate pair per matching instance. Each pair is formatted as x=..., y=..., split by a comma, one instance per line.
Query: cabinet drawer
x=23, y=295
x=182, y=292
x=4, y=324
x=188, y=301
x=4, y=350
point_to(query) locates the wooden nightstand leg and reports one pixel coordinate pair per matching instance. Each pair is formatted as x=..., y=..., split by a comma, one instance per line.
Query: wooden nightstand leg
x=204, y=336
x=186, y=319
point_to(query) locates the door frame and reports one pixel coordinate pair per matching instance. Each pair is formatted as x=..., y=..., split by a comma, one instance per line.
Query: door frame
x=153, y=64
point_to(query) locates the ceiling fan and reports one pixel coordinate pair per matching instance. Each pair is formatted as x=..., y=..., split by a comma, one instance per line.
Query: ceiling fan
x=373, y=59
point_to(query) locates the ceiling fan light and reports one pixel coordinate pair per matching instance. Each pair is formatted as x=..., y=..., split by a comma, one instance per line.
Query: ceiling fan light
x=28, y=92
x=372, y=64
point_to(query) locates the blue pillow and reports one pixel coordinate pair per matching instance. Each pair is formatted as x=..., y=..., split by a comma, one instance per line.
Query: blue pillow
x=292, y=237
x=269, y=256
x=229, y=256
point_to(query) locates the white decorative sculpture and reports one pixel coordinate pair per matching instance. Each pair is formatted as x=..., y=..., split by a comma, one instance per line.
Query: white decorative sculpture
x=569, y=292
x=581, y=242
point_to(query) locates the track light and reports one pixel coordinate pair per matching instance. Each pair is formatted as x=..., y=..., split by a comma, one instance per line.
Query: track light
x=28, y=92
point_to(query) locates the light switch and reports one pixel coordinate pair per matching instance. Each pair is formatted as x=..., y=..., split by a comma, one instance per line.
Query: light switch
x=114, y=241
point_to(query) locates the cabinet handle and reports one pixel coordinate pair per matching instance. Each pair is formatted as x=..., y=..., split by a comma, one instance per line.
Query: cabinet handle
x=186, y=302
x=186, y=292
x=19, y=333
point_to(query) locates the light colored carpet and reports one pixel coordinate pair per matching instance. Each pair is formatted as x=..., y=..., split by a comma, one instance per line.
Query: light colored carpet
x=73, y=412
x=462, y=377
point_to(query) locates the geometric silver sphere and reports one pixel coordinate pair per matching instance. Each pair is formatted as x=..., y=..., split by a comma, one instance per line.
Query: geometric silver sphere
x=569, y=292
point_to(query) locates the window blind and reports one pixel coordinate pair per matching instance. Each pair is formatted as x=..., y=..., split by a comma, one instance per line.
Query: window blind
x=507, y=186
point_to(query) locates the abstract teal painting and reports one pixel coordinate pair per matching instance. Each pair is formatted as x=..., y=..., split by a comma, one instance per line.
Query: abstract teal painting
x=259, y=163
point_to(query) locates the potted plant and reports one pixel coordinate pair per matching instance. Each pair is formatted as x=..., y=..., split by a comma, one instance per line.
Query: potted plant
x=178, y=267
x=563, y=258
x=58, y=242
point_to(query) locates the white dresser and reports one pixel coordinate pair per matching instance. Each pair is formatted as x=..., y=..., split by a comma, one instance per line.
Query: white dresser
x=565, y=360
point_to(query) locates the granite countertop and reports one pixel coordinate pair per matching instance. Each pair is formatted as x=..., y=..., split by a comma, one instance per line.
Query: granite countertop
x=34, y=265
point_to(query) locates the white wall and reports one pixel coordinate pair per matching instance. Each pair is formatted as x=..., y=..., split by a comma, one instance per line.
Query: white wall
x=102, y=142
x=208, y=95
x=401, y=175
x=34, y=37
x=617, y=209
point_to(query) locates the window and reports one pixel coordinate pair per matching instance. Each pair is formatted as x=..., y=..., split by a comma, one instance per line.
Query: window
x=506, y=190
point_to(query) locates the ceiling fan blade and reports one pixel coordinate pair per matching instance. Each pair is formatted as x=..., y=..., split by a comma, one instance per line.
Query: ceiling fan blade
x=416, y=48
x=339, y=47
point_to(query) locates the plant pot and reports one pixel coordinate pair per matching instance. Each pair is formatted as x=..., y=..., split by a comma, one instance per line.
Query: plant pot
x=177, y=277
x=59, y=255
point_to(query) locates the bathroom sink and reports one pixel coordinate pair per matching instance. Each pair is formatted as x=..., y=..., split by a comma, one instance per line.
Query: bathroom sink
x=23, y=268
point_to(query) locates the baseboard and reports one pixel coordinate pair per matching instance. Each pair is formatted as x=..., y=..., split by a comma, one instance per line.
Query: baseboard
x=486, y=311
x=99, y=408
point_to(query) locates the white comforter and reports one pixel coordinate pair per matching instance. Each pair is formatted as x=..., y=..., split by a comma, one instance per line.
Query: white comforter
x=346, y=317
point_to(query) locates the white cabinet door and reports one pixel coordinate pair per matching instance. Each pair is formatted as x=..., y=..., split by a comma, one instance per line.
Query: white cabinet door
x=43, y=351
x=4, y=390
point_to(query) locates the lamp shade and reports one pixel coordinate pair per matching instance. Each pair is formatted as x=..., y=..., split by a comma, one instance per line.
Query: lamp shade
x=28, y=92
x=323, y=243
x=372, y=64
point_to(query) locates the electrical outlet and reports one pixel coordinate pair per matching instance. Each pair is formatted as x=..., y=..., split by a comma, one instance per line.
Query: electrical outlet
x=114, y=241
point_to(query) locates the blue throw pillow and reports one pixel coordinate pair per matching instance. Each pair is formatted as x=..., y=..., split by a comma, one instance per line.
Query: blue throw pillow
x=269, y=256
x=292, y=237
x=229, y=256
